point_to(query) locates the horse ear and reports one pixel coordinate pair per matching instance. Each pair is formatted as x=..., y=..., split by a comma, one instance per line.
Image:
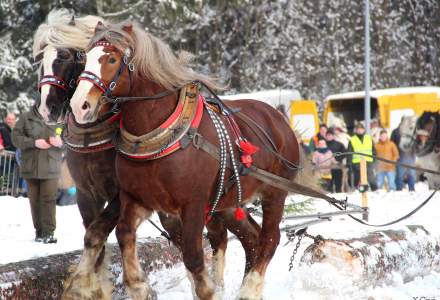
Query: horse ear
x=127, y=27
x=99, y=26
x=72, y=21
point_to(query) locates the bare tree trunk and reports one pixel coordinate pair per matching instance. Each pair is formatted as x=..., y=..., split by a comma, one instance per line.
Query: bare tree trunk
x=43, y=278
x=373, y=259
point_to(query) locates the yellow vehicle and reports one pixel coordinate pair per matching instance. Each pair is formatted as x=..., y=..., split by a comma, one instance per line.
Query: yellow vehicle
x=304, y=118
x=388, y=106
x=302, y=114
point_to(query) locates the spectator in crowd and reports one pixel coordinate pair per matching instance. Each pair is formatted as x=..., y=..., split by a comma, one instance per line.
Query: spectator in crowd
x=323, y=160
x=388, y=150
x=362, y=143
x=40, y=167
x=341, y=136
x=405, y=158
x=6, y=166
x=319, y=136
x=336, y=171
x=5, y=131
x=375, y=130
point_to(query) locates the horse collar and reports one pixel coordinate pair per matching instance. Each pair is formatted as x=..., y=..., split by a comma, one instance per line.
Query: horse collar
x=175, y=133
x=90, y=138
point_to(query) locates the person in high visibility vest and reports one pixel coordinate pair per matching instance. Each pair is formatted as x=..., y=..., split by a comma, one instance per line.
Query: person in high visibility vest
x=362, y=143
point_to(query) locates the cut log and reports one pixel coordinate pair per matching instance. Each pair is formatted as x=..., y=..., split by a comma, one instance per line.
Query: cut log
x=378, y=257
x=43, y=278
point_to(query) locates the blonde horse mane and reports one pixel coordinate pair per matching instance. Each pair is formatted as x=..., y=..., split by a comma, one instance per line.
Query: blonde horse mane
x=153, y=59
x=60, y=33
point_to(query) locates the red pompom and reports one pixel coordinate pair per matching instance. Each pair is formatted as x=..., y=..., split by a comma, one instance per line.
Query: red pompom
x=239, y=214
x=246, y=159
x=247, y=147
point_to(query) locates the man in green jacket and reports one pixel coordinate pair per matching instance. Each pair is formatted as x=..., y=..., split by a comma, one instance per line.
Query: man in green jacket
x=40, y=166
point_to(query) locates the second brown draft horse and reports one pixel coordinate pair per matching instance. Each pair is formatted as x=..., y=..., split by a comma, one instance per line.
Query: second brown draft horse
x=158, y=171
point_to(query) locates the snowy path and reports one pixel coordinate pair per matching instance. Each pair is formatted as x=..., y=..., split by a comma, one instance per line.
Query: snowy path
x=319, y=281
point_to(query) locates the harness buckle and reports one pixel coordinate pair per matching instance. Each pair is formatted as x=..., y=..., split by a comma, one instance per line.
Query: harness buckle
x=112, y=85
x=125, y=59
x=197, y=140
x=131, y=67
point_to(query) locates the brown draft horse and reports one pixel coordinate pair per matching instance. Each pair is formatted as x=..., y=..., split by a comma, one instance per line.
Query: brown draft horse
x=57, y=46
x=182, y=183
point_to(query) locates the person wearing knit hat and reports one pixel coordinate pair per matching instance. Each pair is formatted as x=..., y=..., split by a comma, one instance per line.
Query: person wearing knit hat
x=362, y=143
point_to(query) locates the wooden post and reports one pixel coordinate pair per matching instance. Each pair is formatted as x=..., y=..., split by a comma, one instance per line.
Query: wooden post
x=364, y=182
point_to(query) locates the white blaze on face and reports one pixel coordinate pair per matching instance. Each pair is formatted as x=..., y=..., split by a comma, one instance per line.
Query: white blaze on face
x=84, y=86
x=50, y=54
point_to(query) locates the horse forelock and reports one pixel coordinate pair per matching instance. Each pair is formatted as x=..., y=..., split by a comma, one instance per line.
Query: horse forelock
x=59, y=32
x=152, y=58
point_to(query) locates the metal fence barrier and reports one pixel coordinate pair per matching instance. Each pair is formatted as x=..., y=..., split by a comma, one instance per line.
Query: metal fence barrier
x=9, y=174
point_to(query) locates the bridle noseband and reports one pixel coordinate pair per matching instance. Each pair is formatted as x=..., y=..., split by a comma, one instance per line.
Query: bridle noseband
x=59, y=82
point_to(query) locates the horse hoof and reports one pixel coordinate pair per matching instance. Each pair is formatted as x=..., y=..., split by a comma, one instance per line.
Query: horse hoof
x=85, y=287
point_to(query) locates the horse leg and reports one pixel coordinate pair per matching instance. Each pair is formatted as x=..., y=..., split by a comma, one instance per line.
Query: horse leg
x=192, y=250
x=91, y=279
x=88, y=207
x=218, y=239
x=273, y=205
x=132, y=215
x=247, y=231
x=173, y=226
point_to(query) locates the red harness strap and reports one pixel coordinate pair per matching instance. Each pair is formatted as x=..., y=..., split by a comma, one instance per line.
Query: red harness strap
x=177, y=145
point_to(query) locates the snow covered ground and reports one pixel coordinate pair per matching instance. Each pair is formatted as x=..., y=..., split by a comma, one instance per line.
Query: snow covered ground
x=319, y=281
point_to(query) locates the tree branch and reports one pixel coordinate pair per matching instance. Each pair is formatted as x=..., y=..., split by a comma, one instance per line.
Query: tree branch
x=122, y=12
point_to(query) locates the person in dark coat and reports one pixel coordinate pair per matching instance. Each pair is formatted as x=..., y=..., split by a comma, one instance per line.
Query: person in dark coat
x=6, y=130
x=40, y=166
x=336, y=171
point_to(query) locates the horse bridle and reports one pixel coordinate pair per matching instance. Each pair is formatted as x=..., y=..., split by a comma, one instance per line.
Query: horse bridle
x=61, y=84
x=107, y=89
x=433, y=140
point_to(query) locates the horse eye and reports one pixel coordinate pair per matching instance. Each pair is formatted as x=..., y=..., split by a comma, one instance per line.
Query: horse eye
x=111, y=60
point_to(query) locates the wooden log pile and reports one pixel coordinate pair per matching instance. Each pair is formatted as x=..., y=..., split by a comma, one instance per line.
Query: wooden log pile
x=379, y=256
x=43, y=278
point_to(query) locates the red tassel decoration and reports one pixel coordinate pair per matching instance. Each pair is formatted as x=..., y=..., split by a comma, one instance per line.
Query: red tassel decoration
x=239, y=214
x=247, y=147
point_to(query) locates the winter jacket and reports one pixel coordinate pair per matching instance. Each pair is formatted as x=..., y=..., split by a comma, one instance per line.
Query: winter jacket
x=387, y=150
x=314, y=141
x=323, y=163
x=336, y=147
x=5, y=132
x=366, y=145
x=36, y=163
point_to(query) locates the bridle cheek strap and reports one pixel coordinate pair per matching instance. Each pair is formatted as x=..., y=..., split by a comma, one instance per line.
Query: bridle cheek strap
x=52, y=80
x=94, y=79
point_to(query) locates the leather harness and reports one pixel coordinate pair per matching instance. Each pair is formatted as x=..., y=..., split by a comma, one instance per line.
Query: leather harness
x=175, y=133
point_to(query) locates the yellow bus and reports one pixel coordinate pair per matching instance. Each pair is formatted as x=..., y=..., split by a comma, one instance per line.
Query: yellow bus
x=388, y=106
x=302, y=114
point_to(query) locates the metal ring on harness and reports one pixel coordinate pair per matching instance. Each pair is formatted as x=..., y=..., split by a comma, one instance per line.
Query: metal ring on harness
x=112, y=85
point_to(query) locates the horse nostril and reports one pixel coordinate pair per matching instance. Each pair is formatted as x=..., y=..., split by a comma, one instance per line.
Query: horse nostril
x=86, y=105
